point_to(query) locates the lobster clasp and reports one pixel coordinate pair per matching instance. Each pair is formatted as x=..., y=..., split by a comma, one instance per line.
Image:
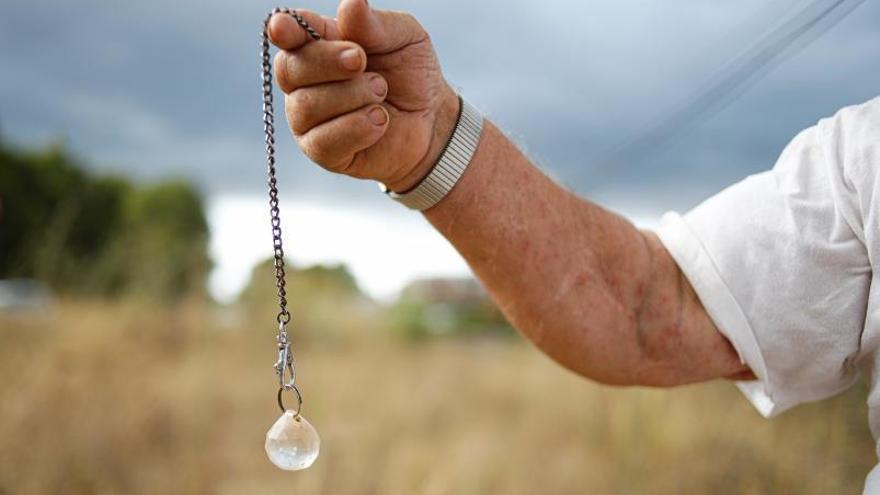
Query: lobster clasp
x=285, y=367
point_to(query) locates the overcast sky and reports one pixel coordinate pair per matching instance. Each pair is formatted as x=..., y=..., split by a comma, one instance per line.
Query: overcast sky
x=161, y=88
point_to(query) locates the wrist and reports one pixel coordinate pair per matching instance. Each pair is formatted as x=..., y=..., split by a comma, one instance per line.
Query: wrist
x=445, y=118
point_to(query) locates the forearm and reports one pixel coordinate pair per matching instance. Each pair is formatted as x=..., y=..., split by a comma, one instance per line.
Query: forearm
x=593, y=292
x=582, y=283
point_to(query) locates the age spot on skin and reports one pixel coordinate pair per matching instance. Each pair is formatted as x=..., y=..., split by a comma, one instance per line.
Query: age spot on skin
x=640, y=291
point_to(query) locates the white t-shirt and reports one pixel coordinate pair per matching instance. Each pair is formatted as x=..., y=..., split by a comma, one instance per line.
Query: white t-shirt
x=782, y=262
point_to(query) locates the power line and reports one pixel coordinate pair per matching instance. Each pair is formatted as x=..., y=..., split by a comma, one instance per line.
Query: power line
x=730, y=82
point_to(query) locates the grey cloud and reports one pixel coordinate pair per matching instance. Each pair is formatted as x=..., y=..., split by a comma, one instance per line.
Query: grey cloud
x=167, y=87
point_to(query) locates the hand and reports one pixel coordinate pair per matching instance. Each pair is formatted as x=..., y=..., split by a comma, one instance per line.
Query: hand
x=368, y=100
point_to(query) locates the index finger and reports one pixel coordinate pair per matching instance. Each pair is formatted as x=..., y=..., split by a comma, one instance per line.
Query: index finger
x=287, y=34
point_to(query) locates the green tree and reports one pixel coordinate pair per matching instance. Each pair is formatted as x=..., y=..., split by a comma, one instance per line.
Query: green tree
x=98, y=235
x=325, y=300
x=164, y=244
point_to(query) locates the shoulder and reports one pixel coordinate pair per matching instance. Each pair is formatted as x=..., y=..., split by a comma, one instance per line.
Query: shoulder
x=850, y=141
x=852, y=135
x=863, y=113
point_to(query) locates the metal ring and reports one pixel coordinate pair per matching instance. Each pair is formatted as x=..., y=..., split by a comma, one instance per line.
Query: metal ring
x=284, y=317
x=299, y=399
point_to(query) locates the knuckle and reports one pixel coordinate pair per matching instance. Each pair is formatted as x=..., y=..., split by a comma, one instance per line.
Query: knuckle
x=316, y=151
x=410, y=19
x=282, y=72
x=371, y=87
x=300, y=109
x=302, y=99
x=419, y=31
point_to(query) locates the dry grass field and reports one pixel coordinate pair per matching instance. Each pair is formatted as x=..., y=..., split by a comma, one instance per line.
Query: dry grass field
x=127, y=399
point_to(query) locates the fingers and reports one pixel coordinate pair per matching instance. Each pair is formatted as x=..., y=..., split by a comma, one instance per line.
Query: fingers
x=378, y=31
x=335, y=145
x=317, y=63
x=311, y=106
x=287, y=34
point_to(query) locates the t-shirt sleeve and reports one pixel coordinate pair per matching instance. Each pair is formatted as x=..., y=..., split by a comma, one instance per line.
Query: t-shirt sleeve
x=779, y=262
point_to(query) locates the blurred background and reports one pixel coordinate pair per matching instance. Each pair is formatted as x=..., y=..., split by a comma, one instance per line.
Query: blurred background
x=136, y=299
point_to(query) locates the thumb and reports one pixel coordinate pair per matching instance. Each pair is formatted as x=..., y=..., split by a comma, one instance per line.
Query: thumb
x=377, y=31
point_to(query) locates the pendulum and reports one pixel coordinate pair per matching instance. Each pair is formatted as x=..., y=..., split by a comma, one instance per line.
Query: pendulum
x=292, y=443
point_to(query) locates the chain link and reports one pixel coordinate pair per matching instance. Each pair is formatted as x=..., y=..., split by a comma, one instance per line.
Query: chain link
x=285, y=367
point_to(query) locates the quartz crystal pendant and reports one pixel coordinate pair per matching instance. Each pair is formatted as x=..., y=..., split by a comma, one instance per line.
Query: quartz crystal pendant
x=292, y=442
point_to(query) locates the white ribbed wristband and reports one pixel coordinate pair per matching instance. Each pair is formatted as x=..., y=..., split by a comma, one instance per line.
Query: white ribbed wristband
x=450, y=167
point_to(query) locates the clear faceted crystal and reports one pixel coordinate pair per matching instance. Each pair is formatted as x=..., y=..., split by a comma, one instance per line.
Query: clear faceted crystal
x=292, y=442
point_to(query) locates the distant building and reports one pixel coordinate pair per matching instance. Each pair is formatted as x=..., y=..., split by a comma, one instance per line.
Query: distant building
x=435, y=306
x=448, y=290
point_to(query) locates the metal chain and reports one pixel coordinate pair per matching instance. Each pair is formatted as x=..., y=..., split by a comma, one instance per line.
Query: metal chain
x=285, y=367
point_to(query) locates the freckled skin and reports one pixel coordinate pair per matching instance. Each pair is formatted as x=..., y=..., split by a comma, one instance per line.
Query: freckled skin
x=593, y=292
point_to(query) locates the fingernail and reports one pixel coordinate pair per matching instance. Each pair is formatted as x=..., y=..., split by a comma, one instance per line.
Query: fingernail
x=378, y=116
x=378, y=85
x=351, y=59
